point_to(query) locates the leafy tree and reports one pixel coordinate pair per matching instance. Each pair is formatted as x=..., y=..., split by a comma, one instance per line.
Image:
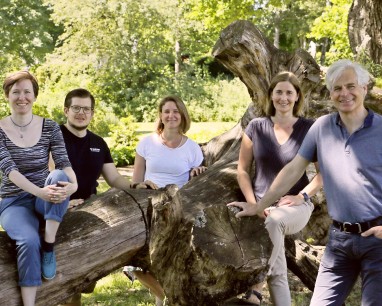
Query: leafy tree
x=332, y=25
x=111, y=47
x=285, y=22
x=26, y=32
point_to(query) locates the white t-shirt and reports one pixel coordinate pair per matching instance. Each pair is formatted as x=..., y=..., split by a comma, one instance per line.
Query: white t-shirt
x=165, y=165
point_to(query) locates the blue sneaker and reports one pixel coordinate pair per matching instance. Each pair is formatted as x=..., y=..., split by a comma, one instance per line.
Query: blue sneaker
x=48, y=265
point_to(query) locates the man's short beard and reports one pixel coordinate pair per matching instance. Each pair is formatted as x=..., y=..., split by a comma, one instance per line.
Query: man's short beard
x=78, y=128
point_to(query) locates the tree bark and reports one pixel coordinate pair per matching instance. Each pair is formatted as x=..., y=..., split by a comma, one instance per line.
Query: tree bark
x=92, y=241
x=188, y=238
x=364, y=28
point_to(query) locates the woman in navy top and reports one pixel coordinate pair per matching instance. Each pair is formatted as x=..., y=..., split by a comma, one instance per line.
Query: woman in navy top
x=271, y=142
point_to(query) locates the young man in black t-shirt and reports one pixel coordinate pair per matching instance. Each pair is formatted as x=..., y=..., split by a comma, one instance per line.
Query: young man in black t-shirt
x=89, y=155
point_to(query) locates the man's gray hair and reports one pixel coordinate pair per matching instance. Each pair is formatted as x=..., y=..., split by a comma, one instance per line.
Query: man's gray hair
x=337, y=68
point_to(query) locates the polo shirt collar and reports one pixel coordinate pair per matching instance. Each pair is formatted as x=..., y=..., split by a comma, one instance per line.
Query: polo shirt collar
x=367, y=122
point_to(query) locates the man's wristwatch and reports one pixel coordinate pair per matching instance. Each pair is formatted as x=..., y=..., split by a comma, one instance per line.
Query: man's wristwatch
x=305, y=195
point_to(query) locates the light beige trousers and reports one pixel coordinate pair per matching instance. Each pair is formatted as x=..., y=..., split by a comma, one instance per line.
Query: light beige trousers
x=283, y=220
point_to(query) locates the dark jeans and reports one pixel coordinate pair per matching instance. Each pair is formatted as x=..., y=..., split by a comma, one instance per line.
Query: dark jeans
x=346, y=256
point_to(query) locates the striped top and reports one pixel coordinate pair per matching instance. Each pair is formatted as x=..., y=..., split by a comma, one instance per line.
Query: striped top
x=270, y=157
x=32, y=162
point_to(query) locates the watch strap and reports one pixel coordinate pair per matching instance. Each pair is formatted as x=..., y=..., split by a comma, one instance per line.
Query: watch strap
x=305, y=195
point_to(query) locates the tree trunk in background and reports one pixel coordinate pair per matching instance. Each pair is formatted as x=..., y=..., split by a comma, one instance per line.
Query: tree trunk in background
x=189, y=238
x=365, y=28
x=178, y=59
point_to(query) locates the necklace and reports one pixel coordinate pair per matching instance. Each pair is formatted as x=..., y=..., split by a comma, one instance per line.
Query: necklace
x=164, y=140
x=21, y=126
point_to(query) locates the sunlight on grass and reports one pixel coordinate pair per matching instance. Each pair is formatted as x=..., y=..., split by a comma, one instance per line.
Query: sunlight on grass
x=117, y=290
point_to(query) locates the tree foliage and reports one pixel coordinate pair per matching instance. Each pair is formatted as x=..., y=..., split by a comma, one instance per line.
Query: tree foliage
x=26, y=32
x=132, y=53
x=332, y=24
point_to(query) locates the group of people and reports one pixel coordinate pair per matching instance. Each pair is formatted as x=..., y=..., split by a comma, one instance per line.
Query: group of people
x=343, y=146
x=49, y=168
x=346, y=148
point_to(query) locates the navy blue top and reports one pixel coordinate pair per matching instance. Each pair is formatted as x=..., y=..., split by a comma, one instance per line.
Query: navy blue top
x=351, y=166
x=270, y=157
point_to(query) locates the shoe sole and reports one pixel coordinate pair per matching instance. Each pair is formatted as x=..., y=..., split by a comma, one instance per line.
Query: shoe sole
x=48, y=278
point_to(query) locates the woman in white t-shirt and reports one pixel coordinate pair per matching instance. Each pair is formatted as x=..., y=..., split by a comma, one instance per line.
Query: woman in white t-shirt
x=165, y=157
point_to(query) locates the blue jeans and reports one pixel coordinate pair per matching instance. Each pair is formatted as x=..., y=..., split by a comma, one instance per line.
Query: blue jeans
x=19, y=217
x=346, y=256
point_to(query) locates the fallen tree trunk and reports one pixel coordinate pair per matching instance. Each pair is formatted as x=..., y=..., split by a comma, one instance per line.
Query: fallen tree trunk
x=188, y=238
x=93, y=241
x=199, y=251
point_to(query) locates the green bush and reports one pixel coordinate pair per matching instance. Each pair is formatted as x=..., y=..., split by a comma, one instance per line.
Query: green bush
x=122, y=141
x=366, y=61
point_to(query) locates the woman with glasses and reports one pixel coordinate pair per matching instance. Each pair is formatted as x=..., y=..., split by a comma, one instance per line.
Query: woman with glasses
x=30, y=195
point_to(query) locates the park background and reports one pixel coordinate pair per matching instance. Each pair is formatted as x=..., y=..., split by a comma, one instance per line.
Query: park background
x=131, y=53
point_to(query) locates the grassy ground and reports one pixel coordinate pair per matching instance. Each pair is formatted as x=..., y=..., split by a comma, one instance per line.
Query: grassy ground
x=117, y=290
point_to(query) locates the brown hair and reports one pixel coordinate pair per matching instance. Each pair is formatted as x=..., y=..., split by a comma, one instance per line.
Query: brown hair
x=285, y=76
x=185, y=118
x=79, y=93
x=15, y=77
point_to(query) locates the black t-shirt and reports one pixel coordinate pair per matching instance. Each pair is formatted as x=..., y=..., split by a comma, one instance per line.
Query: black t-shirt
x=87, y=156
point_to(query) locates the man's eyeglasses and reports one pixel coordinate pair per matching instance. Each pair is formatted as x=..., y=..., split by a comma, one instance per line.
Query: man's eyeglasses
x=77, y=109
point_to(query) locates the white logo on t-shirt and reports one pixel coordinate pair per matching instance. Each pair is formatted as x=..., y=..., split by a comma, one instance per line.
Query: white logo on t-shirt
x=95, y=149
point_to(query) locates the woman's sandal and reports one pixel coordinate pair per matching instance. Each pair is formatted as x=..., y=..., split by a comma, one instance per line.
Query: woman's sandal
x=248, y=295
x=244, y=300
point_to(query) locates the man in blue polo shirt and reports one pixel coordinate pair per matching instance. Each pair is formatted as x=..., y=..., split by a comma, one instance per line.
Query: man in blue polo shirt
x=348, y=147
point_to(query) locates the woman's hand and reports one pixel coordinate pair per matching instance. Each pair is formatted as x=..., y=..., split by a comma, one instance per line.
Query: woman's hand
x=290, y=200
x=197, y=170
x=67, y=188
x=52, y=193
x=247, y=209
x=57, y=193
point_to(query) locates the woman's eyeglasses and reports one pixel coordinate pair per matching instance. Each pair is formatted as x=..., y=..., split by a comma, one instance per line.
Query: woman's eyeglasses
x=77, y=109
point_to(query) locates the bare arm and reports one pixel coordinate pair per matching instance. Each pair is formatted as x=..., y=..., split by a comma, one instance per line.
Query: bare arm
x=113, y=178
x=315, y=184
x=139, y=173
x=311, y=189
x=139, y=169
x=244, y=168
x=286, y=178
x=22, y=182
x=46, y=192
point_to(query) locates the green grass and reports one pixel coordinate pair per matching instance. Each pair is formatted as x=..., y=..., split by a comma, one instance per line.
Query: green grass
x=117, y=290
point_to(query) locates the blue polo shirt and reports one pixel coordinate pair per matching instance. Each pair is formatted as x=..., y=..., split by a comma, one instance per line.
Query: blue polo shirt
x=351, y=166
